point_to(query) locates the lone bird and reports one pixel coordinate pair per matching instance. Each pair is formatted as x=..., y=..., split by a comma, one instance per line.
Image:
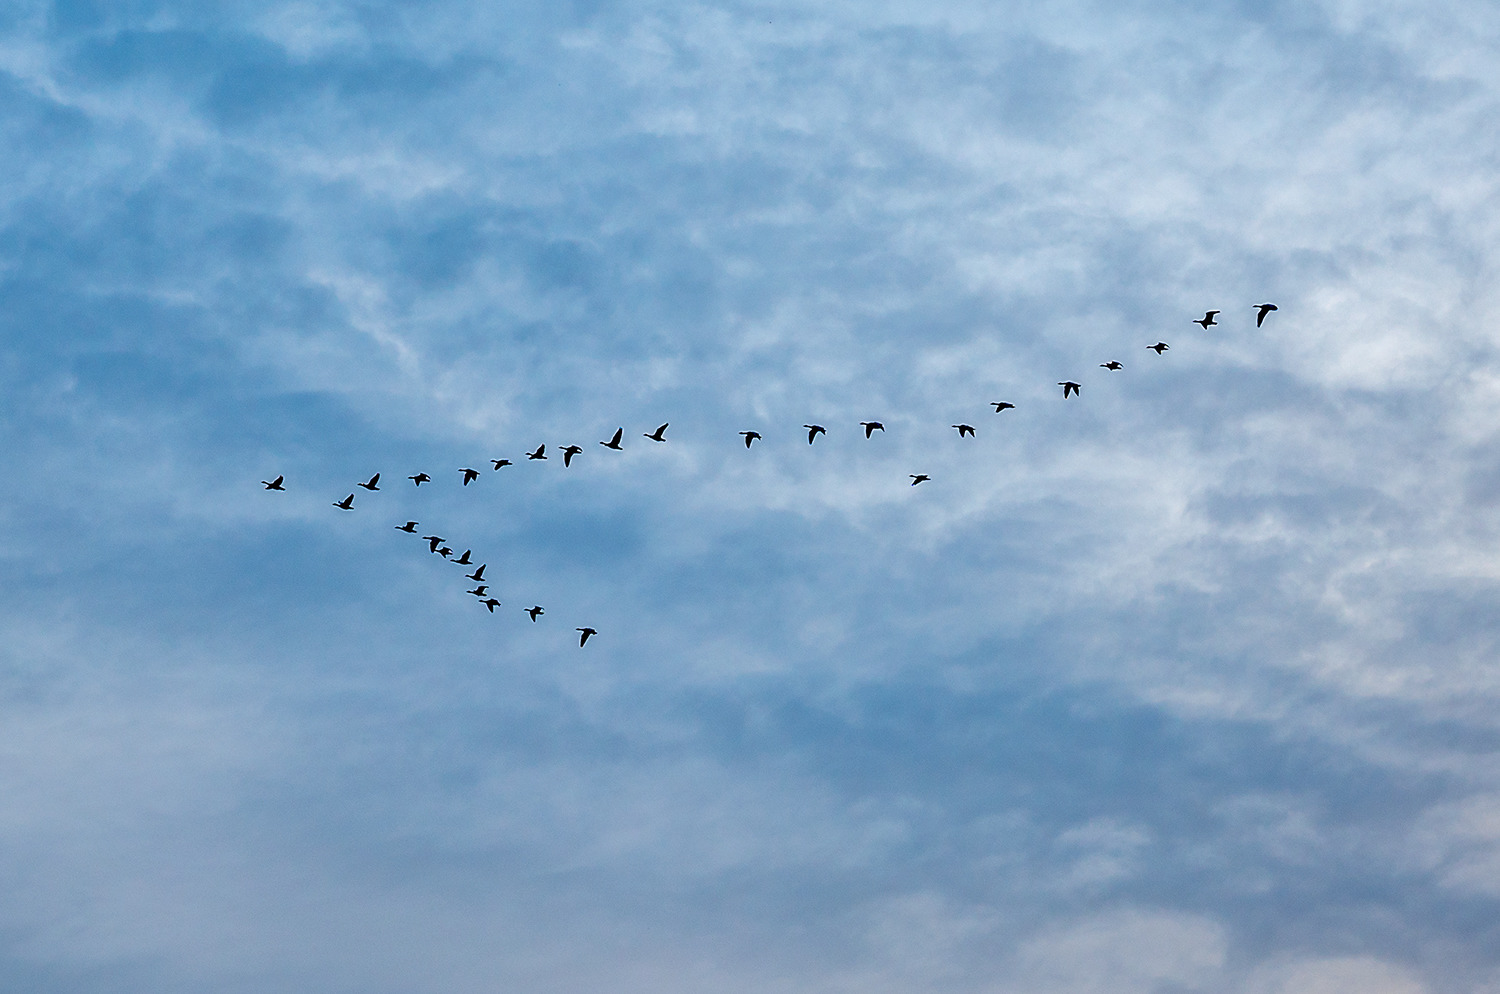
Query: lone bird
x=1002, y=405
x=614, y=442
x=535, y=610
x=464, y=559
x=659, y=435
x=585, y=636
x=420, y=479
x=540, y=453
x=370, y=484
x=480, y=590
x=410, y=528
x=918, y=478
x=470, y=475
x=1159, y=347
x=433, y=541
x=750, y=436
x=347, y=503
x=478, y=575
x=1069, y=387
x=871, y=426
x=568, y=453
x=273, y=484
x=490, y=603
x=1261, y=310
x=964, y=430
x=813, y=431
x=501, y=462
x=1112, y=364
x=1206, y=320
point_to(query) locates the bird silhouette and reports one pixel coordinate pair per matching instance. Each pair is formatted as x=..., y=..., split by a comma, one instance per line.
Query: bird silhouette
x=1261, y=310
x=585, y=636
x=535, y=610
x=871, y=426
x=464, y=559
x=1206, y=320
x=274, y=484
x=420, y=479
x=750, y=436
x=540, y=453
x=445, y=552
x=478, y=575
x=410, y=527
x=1069, y=387
x=480, y=590
x=347, y=503
x=433, y=541
x=614, y=443
x=658, y=434
x=470, y=475
x=918, y=478
x=813, y=431
x=370, y=484
x=1002, y=405
x=1159, y=347
x=490, y=603
x=568, y=453
x=964, y=430
x=1112, y=364
x=501, y=462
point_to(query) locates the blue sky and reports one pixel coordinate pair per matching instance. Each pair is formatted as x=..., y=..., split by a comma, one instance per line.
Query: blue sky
x=1186, y=684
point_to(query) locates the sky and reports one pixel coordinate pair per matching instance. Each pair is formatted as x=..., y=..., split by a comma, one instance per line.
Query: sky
x=1186, y=684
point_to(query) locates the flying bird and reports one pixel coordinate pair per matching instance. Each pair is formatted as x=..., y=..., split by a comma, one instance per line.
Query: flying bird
x=410, y=527
x=1261, y=310
x=1112, y=364
x=614, y=443
x=568, y=453
x=1069, y=387
x=1206, y=320
x=273, y=484
x=501, y=462
x=585, y=636
x=540, y=453
x=813, y=431
x=658, y=434
x=470, y=475
x=347, y=503
x=479, y=591
x=445, y=552
x=1002, y=405
x=535, y=610
x=420, y=479
x=464, y=559
x=478, y=575
x=490, y=603
x=433, y=541
x=1159, y=347
x=871, y=426
x=918, y=478
x=750, y=436
x=370, y=485
x=964, y=430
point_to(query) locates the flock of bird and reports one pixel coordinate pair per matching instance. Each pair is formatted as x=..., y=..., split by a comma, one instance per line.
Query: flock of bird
x=437, y=543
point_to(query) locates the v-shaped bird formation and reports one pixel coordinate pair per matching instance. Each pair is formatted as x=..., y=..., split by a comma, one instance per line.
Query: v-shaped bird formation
x=436, y=546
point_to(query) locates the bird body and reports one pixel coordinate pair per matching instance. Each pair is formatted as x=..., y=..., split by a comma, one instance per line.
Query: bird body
x=1112, y=364
x=1069, y=387
x=370, y=484
x=420, y=479
x=540, y=453
x=410, y=528
x=1206, y=320
x=569, y=452
x=918, y=478
x=1159, y=347
x=1002, y=405
x=274, y=484
x=750, y=436
x=813, y=431
x=535, y=610
x=347, y=503
x=964, y=430
x=583, y=637
x=1261, y=310
x=659, y=435
x=614, y=442
x=871, y=426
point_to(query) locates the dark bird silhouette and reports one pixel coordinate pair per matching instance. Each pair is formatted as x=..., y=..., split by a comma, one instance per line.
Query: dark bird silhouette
x=420, y=479
x=1112, y=364
x=445, y=552
x=540, y=453
x=273, y=484
x=478, y=575
x=347, y=503
x=470, y=475
x=918, y=478
x=659, y=434
x=1206, y=320
x=410, y=527
x=871, y=426
x=750, y=436
x=1261, y=310
x=964, y=430
x=490, y=603
x=464, y=559
x=568, y=453
x=1069, y=387
x=1002, y=405
x=614, y=443
x=370, y=484
x=585, y=636
x=433, y=541
x=1159, y=347
x=813, y=431
x=480, y=590
x=535, y=610
x=501, y=462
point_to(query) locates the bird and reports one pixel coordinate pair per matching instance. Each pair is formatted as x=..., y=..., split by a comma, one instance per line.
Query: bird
x=1112, y=364
x=540, y=453
x=410, y=527
x=480, y=590
x=614, y=443
x=1002, y=405
x=535, y=610
x=657, y=435
x=501, y=462
x=1261, y=310
x=585, y=636
x=478, y=575
x=274, y=484
x=871, y=426
x=464, y=559
x=750, y=436
x=347, y=503
x=433, y=541
x=918, y=478
x=1206, y=320
x=470, y=475
x=813, y=431
x=964, y=430
x=420, y=479
x=1159, y=347
x=568, y=453
x=370, y=485
x=1069, y=387
x=490, y=603
x=445, y=552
